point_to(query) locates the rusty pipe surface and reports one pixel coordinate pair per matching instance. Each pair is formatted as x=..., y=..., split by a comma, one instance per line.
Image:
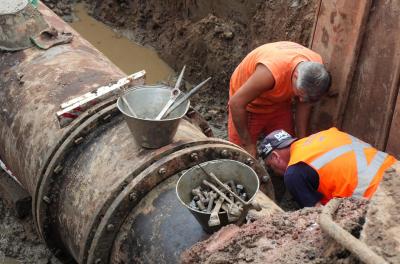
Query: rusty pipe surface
x=355, y=246
x=86, y=178
x=33, y=85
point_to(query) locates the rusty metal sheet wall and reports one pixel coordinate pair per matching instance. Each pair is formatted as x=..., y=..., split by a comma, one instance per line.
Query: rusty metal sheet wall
x=336, y=37
x=374, y=88
x=360, y=44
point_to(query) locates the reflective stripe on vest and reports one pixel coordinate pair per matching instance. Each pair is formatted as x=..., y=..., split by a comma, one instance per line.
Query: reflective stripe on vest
x=365, y=172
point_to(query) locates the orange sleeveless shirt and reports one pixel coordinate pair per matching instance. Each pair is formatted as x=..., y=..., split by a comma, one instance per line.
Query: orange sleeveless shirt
x=281, y=58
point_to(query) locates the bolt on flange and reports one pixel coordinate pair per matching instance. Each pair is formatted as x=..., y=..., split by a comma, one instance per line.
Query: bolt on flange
x=194, y=156
x=224, y=153
x=162, y=171
x=249, y=161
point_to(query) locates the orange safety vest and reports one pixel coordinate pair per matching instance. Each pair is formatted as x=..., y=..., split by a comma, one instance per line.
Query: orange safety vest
x=346, y=166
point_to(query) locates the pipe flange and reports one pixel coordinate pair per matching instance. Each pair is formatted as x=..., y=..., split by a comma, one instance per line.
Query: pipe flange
x=146, y=181
x=43, y=196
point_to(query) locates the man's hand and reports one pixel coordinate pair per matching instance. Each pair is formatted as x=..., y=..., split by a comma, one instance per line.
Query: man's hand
x=251, y=149
x=303, y=111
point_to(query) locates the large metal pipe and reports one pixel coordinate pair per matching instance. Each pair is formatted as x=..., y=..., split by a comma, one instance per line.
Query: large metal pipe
x=86, y=178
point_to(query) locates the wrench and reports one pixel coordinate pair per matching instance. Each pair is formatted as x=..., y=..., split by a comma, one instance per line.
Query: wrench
x=214, y=218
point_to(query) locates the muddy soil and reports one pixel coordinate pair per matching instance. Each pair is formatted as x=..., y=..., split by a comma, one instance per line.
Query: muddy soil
x=19, y=242
x=291, y=237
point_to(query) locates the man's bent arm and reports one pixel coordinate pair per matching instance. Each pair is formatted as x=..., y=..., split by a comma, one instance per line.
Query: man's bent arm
x=260, y=81
x=302, y=181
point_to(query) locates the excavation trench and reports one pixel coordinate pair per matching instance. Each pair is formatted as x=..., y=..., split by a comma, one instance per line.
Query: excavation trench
x=210, y=38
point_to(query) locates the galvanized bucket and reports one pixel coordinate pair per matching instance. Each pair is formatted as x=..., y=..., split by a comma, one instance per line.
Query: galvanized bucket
x=147, y=102
x=225, y=170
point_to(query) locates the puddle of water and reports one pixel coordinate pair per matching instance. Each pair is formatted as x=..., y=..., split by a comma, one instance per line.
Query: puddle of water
x=128, y=56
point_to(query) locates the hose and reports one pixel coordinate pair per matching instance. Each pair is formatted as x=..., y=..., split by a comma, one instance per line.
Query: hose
x=355, y=246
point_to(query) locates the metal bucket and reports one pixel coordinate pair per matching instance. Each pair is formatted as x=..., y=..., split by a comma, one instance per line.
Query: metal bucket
x=225, y=170
x=147, y=102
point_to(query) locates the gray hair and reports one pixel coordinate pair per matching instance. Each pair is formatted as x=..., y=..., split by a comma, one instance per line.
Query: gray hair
x=314, y=79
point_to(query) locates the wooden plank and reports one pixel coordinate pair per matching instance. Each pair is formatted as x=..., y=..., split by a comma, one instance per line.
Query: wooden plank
x=337, y=37
x=372, y=99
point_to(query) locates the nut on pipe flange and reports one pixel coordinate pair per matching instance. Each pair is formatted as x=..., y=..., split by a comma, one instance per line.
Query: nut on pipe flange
x=249, y=161
x=162, y=171
x=265, y=178
x=58, y=169
x=46, y=199
x=132, y=196
x=110, y=227
x=194, y=156
x=78, y=140
x=224, y=153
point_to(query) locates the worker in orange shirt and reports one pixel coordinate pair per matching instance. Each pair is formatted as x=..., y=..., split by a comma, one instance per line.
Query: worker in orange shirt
x=263, y=86
x=326, y=165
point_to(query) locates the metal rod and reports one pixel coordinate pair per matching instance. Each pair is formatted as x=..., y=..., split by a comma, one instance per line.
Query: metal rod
x=355, y=246
x=187, y=96
x=178, y=82
x=212, y=186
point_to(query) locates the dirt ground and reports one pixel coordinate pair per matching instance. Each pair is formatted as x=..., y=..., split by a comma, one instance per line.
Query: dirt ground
x=19, y=242
x=291, y=237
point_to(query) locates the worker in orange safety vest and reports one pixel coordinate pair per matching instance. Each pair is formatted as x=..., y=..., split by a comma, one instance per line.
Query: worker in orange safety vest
x=325, y=165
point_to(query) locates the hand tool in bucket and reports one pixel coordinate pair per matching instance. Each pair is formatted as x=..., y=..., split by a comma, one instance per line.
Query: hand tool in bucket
x=174, y=95
x=246, y=205
x=187, y=96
